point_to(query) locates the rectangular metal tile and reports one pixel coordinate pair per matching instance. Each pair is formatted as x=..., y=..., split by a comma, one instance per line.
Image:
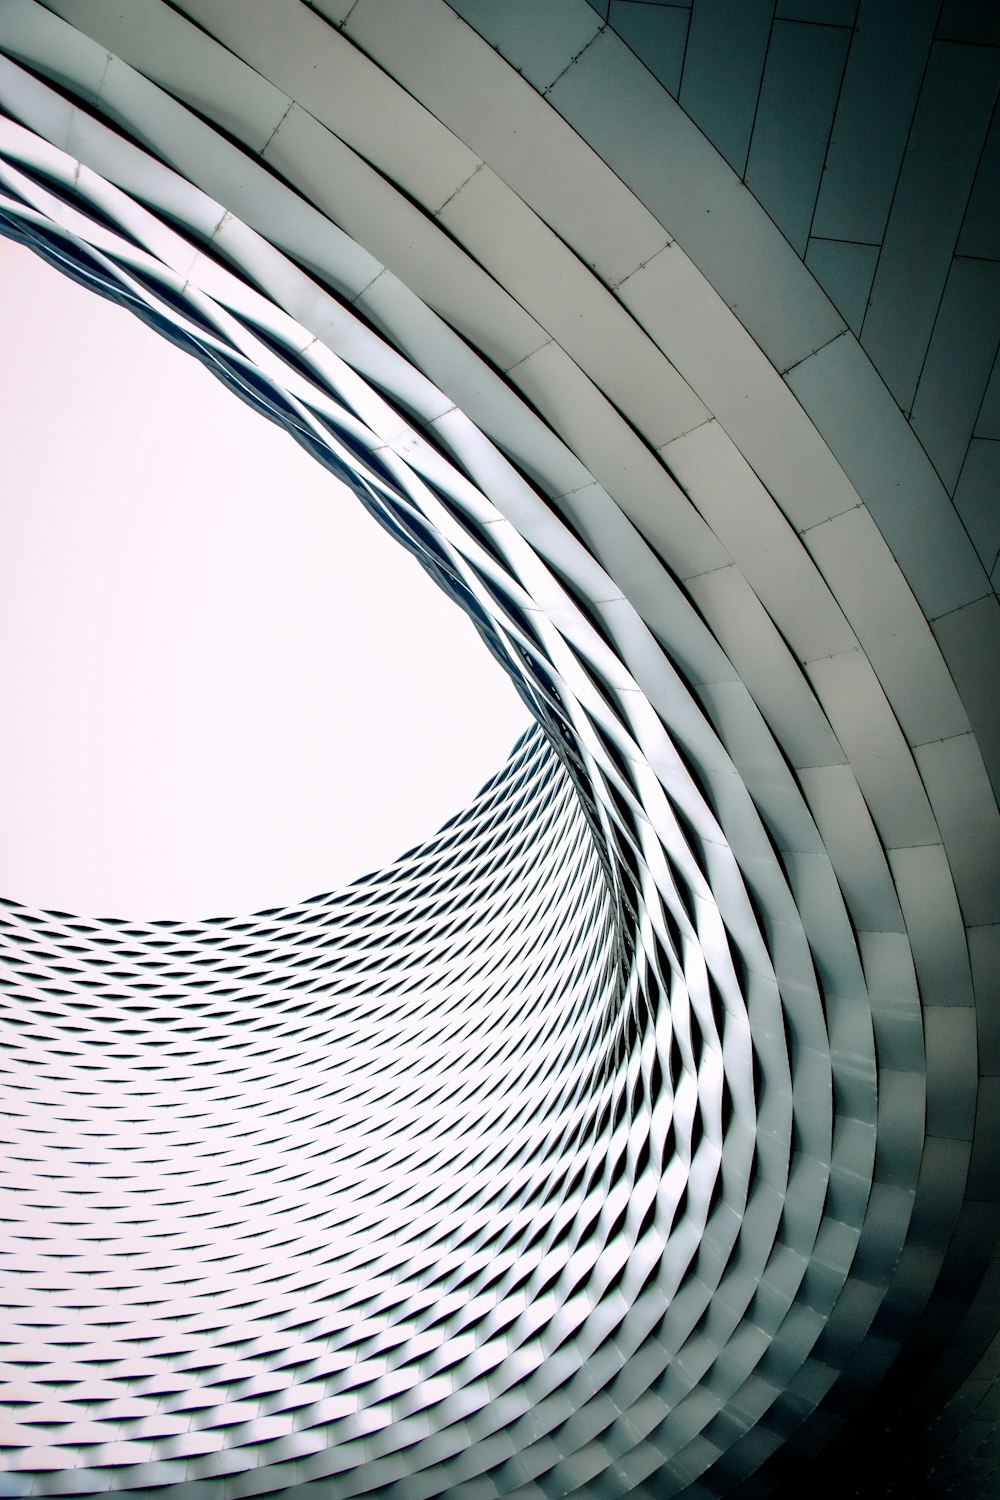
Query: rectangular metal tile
x=741, y=513
x=537, y=268
x=977, y=498
x=181, y=58
x=599, y=437
x=722, y=71
x=949, y=128
x=755, y=646
x=970, y=641
x=927, y=895
x=889, y=623
x=892, y=474
x=719, y=359
x=984, y=952
x=487, y=398
x=900, y=1129
x=854, y=847
x=944, y=1169
x=883, y=763
x=988, y=425
x=498, y=115
x=637, y=569
x=881, y=83
x=798, y=96
x=984, y=1171
x=655, y=148
x=337, y=180
x=845, y=271
x=657, y=34
x=49, y=46
x=895, y=1002
x=951, y=1072
x=959, y=361
x=981, y=227
x=334, y=81
x=966, y=811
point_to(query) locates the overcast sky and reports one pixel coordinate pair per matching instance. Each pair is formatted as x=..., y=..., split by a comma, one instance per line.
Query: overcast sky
x=224, y=687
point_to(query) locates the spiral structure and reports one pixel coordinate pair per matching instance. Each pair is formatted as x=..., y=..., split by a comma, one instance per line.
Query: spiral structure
x=637, y=1134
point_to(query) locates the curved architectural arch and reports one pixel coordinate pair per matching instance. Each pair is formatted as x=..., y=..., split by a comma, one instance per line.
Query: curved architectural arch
x=504, y=284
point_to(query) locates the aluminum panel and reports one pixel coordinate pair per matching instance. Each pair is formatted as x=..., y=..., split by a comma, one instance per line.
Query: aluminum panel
x=927, y=897
x=326, y=171
x=756, y=648
x=958, y=364
x=727, y=45
x=488, y=399
x=726, y=368
x=184, y=60
x=967, y=814
x=551, y=283
x=845, y=271
x=952, y=1069
x=739, y=510
x=838, y=967
x=791, y=128
x=842, y=393
x=946, y=139
x=975, y=498
x=638, y=569
x=657, y=34
x=890, y=625
x=434, y=54
x=866, y=727
x=988, y=424
x=984, y=954
x=854, y=847
x=71, y=57
x=981, y=226
x=892, y=987
x=538, y=43
x=304, y=57
x=970, y=642
x=881, y=83
x=943, y=1171
x=640, y=485
x=788, y=820
x=901, y=1106
x=984, y=1169
x=664, y=158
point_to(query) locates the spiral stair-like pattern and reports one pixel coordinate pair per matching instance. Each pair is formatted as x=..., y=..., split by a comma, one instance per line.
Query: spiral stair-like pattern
x=617, y=1141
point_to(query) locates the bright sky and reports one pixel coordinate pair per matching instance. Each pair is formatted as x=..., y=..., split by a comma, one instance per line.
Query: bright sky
x=224, y=687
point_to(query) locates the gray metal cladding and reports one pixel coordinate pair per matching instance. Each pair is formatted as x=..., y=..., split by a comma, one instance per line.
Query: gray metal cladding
x=632, y=1126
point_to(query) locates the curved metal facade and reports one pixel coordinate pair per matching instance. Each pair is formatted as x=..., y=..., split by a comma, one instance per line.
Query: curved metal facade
x=581, y=361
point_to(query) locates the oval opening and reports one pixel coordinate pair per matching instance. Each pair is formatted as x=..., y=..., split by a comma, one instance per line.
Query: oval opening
x=225, y=687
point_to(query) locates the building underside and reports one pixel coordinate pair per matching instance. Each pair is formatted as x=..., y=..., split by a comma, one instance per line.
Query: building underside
x=639, y=1134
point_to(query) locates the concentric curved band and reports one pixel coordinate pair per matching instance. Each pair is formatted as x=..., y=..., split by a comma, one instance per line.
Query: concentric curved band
x=687, y=1159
